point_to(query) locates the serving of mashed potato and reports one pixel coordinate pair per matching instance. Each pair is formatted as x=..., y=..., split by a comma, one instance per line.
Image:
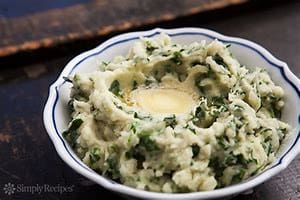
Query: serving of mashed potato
x=176, y=118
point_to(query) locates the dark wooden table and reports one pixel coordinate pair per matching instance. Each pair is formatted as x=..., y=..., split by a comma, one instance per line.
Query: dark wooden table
x=35, y=24
x=27, y=156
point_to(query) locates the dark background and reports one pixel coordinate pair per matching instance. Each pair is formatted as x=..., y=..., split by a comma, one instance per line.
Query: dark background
x=16, y=8
x=27, y=155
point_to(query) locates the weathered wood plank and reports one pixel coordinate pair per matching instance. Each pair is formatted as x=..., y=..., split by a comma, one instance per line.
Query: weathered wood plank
x=94, y=18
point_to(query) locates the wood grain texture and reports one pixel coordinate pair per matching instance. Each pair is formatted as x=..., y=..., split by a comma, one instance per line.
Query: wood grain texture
x=94, y=18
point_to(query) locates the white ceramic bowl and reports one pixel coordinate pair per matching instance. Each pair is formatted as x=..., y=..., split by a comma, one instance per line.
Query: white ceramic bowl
x=248, y=53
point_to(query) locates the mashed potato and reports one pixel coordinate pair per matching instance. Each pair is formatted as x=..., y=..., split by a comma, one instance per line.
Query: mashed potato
x=173, y=118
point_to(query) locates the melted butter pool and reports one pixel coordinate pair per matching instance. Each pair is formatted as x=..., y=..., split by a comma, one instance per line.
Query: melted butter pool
x=161, y=100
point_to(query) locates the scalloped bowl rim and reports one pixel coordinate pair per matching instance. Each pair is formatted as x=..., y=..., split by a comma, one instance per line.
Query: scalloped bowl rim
x=63, y=150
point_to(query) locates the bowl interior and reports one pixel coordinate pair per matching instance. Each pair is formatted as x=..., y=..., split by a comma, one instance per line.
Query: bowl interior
x=245, y=54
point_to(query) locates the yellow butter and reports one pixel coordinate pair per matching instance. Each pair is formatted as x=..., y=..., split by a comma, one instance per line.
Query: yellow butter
x=161, y=100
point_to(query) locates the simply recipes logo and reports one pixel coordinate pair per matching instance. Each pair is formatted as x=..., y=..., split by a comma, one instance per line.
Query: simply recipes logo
x=11, y=188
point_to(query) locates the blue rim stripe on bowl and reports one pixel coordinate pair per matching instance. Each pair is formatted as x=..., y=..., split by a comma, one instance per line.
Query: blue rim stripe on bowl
x=282, y=72
x=55, y=127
